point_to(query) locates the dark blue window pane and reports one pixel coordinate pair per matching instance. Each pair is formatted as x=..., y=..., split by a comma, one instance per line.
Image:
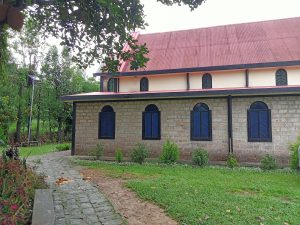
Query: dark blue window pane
x=254, y=124
x=148, y=124
x=155, y=125
x=107, y=124
x=196, y=125
x=264, y=124
x=205, y=124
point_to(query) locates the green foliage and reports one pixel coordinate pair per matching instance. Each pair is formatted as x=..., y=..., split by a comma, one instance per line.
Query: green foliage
x=4, y=54
x=170, y=152
x=139, y=153
x=17, y=188
x=98, y=151
x=118, y=20
x=232, y=161
x=3, y=138
x=119, y=155
x=268, y=162
x=294, y=159
x=63, y=147
x=200, y=157
x=238, y=196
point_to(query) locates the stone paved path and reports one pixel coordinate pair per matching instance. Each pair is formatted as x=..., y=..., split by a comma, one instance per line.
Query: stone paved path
x=77, y=201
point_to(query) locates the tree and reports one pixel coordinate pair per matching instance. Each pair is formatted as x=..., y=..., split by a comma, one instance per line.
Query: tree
x=96, y=30
x=61, y=77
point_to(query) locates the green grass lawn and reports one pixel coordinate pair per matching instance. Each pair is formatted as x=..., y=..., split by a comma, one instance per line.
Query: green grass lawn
x=38, y=150
x=213, y=195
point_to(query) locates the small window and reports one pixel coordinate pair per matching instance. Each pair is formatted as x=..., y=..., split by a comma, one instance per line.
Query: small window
x=201, y=123
x=112, y=85
x=151, y=123
x=144, y=84
x=281, y=77
x=107, y=118
x=206, y=81
x=259, y=123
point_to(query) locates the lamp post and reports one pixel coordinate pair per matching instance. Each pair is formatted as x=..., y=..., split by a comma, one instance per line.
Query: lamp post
x=33, y=78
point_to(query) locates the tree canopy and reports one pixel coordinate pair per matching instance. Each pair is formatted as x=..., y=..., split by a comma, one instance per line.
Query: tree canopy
x=95, y=30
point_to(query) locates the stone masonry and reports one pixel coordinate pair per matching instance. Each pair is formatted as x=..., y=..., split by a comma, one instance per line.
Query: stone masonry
x=175, y=125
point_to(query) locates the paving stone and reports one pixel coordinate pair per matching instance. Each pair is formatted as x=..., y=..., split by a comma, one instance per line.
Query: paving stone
x=77, y=202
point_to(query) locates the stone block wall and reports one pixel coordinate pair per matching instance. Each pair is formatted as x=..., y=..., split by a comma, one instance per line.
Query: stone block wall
x=285, y=121
x=175, y=125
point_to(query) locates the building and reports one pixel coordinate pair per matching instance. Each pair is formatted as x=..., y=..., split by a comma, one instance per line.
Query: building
x=233, y=88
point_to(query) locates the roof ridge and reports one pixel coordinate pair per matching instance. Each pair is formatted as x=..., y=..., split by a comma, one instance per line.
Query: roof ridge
x=224, y=25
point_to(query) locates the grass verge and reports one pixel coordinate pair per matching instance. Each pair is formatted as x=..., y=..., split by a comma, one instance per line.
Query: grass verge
x=39, y=150
x=213, y=195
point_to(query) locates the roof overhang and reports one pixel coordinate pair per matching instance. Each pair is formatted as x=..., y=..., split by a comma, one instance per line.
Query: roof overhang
x=202, y=93
x=203, y=69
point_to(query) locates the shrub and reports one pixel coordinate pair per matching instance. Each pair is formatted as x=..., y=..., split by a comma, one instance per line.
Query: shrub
x=17, y=188
x=98, y=152
x=12, y=152
x=268, y=163
x=139, y=153
x=294, y=160
x=170, y=152
x=3, y=137
x=232, y=161
x=200, y=157
x=63, y=147
x=119, y=155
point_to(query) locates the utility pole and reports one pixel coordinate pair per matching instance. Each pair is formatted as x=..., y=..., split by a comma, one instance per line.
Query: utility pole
x=33, y=78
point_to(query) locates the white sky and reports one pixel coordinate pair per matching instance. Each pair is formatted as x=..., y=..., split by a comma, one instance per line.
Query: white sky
x=213, y=13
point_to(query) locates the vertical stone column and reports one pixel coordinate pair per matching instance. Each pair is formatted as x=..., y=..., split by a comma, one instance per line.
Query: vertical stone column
x=103, y=83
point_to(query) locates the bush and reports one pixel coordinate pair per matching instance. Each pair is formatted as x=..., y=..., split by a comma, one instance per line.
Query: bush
x=3, y=138
x=63, y=147
x=17, y=188
x=139, y=153
x=119, y=155
x=170, y=152
x=232, y=161
x=98, y=152
x=268, y=163
x=200, y=157
x=294, y=160
x=12, y=152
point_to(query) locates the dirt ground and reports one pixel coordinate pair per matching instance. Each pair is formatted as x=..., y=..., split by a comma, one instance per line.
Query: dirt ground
x=126, y=202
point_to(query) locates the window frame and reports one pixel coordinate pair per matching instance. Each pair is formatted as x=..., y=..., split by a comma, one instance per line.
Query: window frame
x=115, y=84
x=281, y=74
x=207, y=80
x=194, y=138
x=104, y=110
x=144, y=79
x=144, y=124
x=259, y=139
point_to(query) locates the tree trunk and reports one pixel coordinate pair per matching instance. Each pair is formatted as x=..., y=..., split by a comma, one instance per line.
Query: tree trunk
x=20, y=116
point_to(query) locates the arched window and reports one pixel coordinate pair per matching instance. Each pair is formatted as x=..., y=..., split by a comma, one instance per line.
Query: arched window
x=259, y=123
x=151, y=123
x=107, y=118
x=206, y=81
x=281, y=77
x=201, y=123
x=112, y=85
x=144, y=84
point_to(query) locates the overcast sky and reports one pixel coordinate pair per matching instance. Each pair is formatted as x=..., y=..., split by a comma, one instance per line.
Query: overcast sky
x=163, y=18
x=216, y=12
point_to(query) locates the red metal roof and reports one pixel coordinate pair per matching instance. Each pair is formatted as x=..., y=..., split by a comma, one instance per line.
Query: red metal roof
x=248, y=43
